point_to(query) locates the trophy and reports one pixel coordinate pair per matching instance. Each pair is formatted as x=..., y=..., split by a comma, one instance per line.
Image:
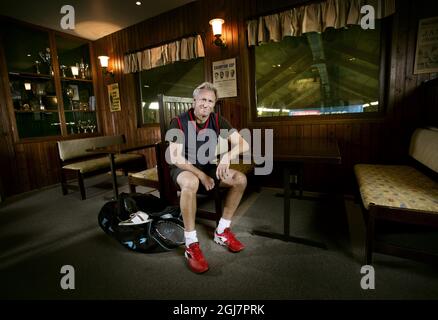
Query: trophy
x=63, y=67
x=71, y=124
x=84, y=126
x=74, y=71
x=82, y=69
x=37, y=65
x=70, y=94
x=79, y=126
x=84, y=106
x=92, y=126
x=87, y=71
x=40, y=91
x=47, y=58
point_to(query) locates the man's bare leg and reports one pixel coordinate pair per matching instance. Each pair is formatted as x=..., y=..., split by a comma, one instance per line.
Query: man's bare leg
x=237, y=183
x=188, y=184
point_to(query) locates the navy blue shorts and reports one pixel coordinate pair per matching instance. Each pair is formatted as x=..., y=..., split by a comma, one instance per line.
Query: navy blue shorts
x=209, y=169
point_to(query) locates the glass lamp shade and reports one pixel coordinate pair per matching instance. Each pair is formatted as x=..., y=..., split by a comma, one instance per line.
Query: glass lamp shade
x=217, y=26
x=103, y=61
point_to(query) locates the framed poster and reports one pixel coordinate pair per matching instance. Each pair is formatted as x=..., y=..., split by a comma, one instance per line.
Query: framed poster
x=114, y=97
x=224, y=78
x=426, y=53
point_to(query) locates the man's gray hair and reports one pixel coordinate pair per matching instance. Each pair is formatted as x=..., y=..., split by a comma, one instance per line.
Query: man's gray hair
x=205, y=86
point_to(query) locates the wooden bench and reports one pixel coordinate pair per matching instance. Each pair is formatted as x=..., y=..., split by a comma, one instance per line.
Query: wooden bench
x=75, y=160
x=405, y=194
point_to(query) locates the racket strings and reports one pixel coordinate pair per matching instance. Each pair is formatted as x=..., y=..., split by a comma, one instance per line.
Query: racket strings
x=170, y=233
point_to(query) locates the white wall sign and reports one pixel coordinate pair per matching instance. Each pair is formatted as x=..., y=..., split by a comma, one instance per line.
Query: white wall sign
x=426, y=55
x=224, y=78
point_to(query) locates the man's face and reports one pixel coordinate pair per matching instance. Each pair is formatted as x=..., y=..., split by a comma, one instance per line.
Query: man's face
x=204, y=104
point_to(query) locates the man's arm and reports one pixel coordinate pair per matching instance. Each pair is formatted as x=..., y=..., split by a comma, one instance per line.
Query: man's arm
x=238, y=146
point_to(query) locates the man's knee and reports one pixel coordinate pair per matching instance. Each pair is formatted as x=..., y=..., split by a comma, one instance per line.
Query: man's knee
x=239, y=180
x=188, y=182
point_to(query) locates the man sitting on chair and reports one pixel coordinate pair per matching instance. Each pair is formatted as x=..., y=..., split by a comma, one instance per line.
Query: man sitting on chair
x=191, y=173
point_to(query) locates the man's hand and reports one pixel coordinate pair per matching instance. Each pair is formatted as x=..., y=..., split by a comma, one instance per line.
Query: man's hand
x=222, y=170
x=206, y=181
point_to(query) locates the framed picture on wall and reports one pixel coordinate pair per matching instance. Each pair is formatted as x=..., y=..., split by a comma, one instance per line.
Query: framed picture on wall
x=224, y=78
x=114, y=97
x=426, y=53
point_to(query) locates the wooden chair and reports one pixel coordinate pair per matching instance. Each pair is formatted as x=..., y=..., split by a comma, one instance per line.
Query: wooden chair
x=169, y=108
x=149, y=177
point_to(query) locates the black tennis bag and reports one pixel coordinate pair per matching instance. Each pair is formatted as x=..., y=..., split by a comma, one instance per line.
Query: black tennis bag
x=164, y=232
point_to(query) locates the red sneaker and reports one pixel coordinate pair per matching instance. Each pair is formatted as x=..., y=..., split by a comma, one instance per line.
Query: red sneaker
x=227, y=238
x=195, y=258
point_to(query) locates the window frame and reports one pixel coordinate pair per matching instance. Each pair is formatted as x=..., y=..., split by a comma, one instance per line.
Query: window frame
x=139, y=112
x=384, y=85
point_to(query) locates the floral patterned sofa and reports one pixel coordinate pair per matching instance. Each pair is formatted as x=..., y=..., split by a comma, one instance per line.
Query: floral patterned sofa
x=401, y=193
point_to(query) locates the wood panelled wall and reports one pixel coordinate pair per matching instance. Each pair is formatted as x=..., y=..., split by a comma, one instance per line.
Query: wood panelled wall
x=379, y=139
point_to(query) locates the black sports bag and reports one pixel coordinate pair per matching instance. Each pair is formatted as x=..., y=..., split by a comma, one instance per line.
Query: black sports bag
x=164, y=231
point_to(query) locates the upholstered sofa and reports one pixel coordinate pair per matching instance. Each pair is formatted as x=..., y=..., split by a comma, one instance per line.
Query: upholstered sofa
x=75, y=160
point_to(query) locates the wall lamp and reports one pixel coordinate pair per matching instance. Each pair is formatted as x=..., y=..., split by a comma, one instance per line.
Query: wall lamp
x=216, y=25
x=104, y=64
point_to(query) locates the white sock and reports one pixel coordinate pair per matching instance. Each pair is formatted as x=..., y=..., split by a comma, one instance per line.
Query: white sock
x=223, y=224
x=190, y=237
